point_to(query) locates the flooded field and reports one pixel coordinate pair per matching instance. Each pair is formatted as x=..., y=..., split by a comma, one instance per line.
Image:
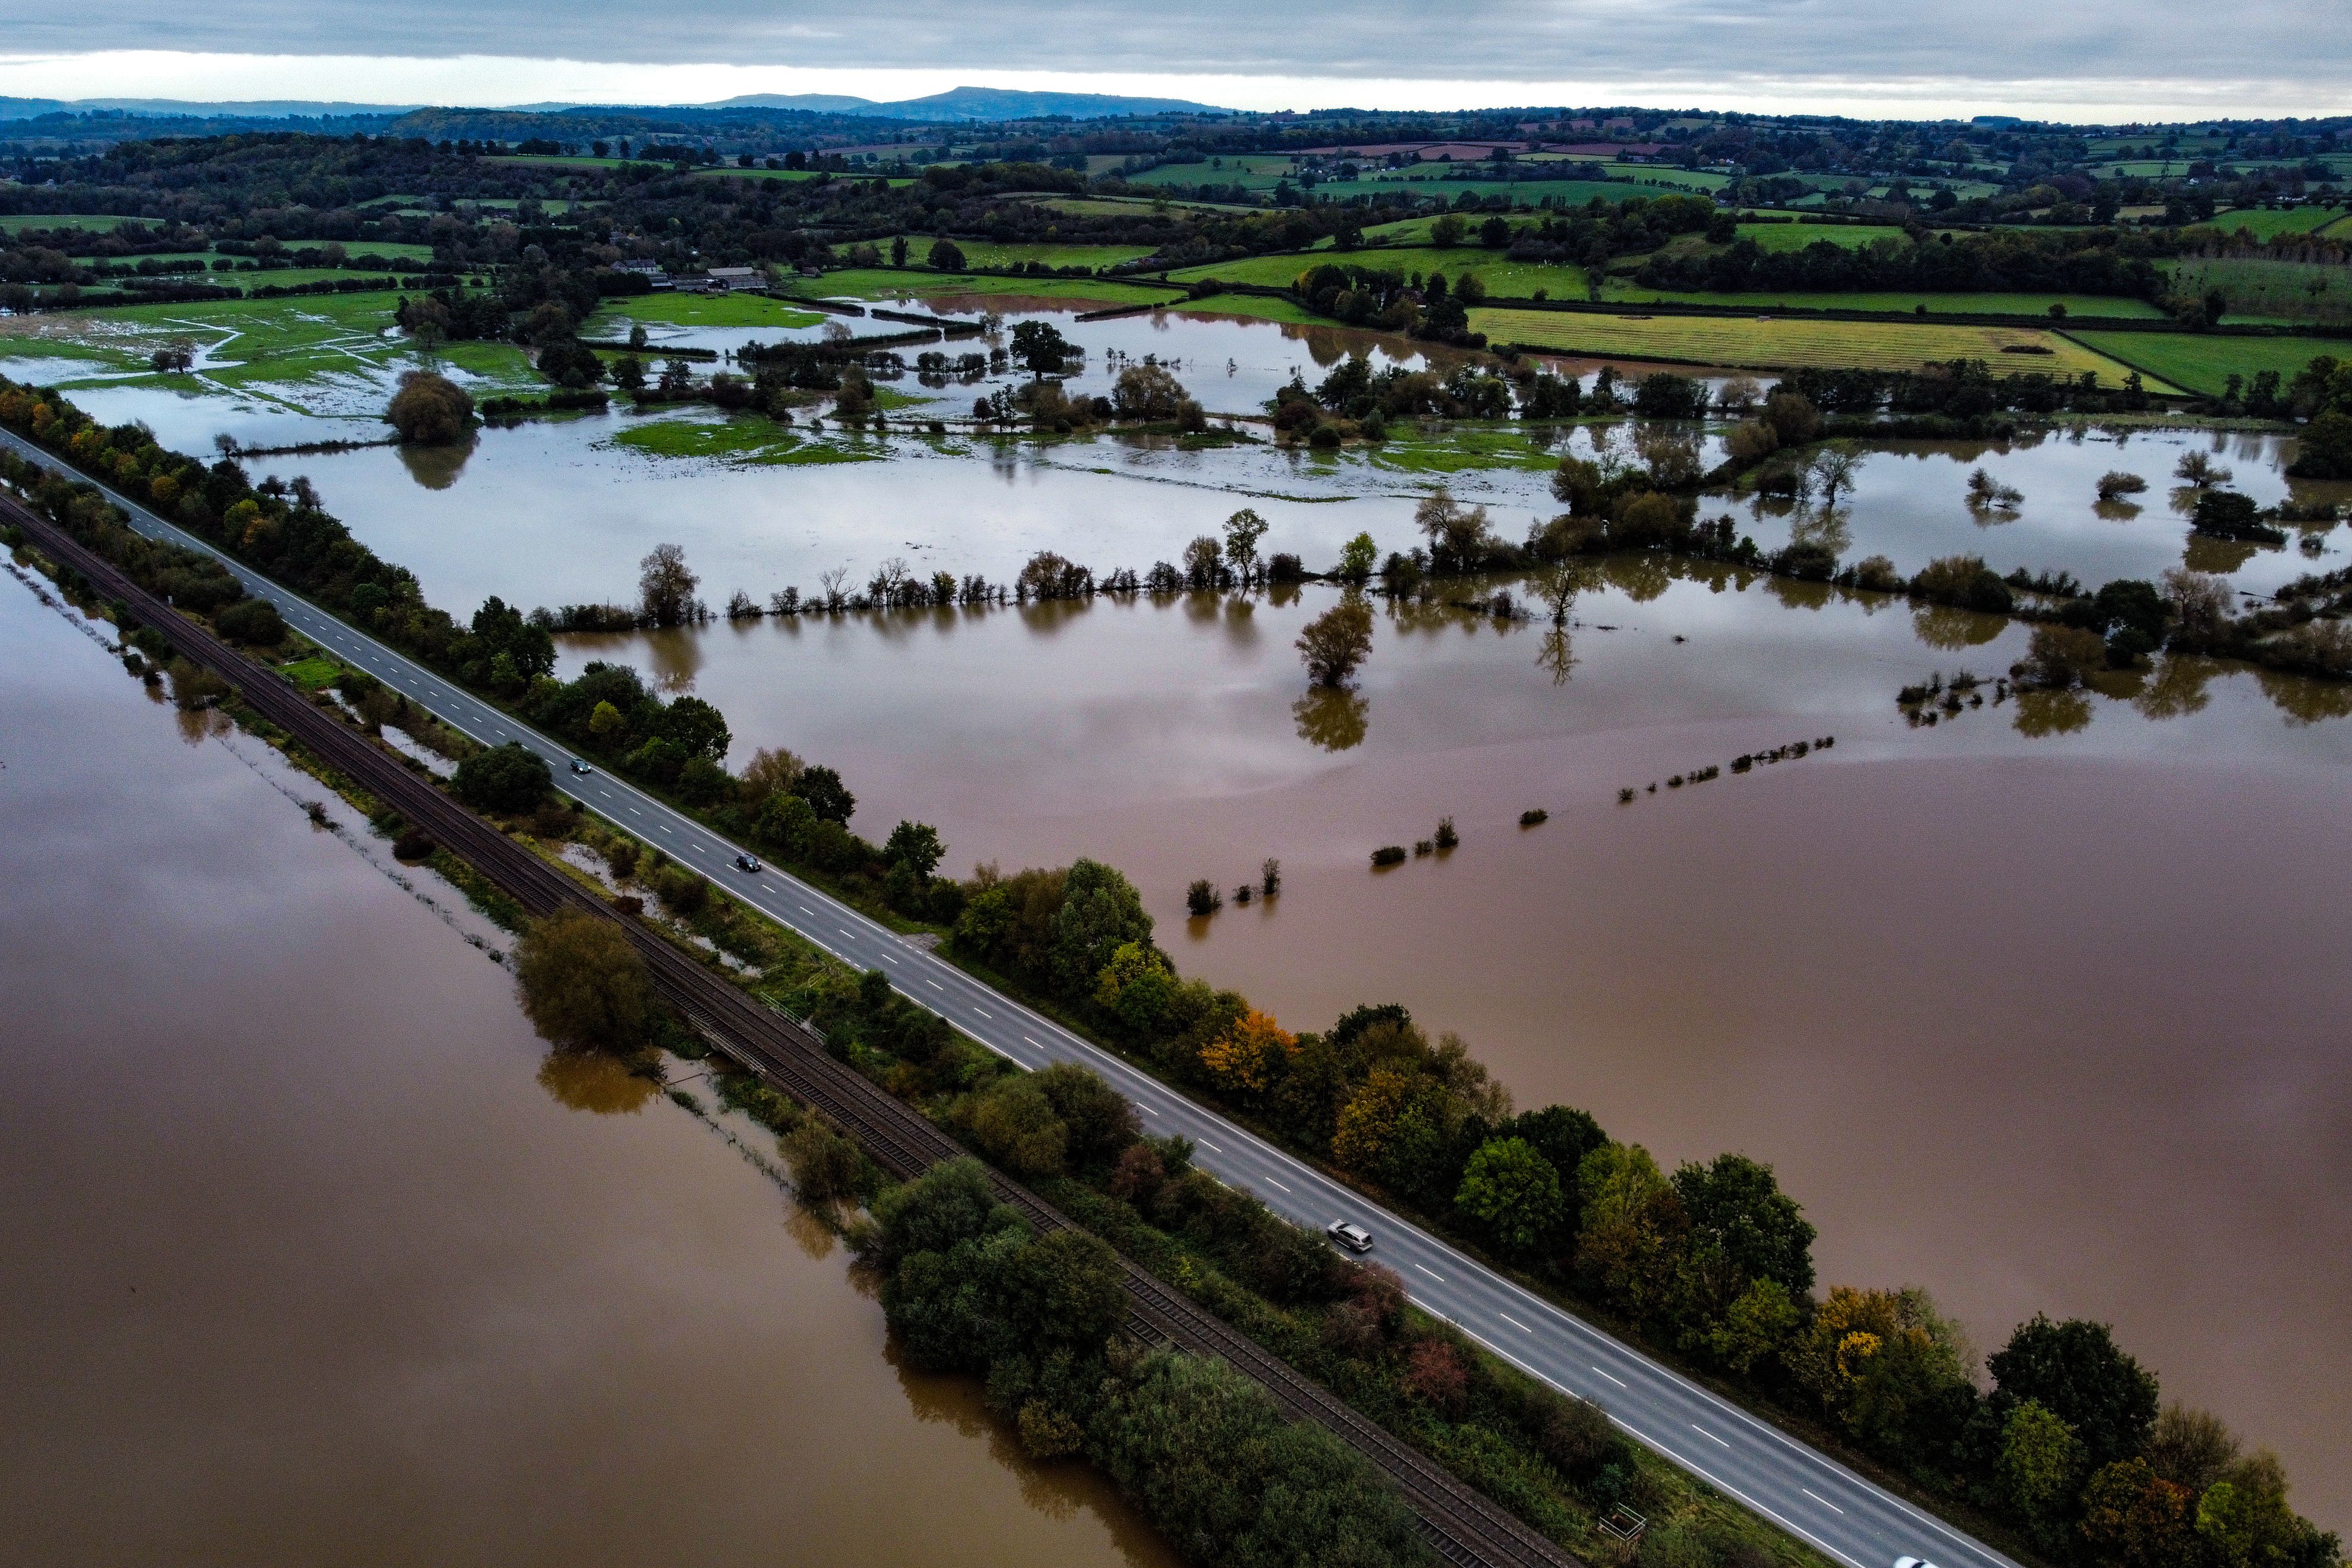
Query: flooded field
x=2036, y=1008
x=314, y=1256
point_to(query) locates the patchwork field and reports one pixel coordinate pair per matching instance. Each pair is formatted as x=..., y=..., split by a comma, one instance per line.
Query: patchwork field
x=2266, y=223
x=1781, y=345
x=1778, y=238
x=2203, y=362
x=2275, y=290
x=1502, y=276
x=990, y=253
x=1618, y=289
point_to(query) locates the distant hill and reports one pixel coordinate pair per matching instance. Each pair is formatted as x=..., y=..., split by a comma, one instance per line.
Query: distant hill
x=957, y=104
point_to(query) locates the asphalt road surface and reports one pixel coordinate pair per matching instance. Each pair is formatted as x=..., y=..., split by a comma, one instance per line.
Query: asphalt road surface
x=1811, y=1496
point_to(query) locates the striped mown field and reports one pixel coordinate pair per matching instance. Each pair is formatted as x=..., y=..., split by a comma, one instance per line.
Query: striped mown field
x=1752, y=344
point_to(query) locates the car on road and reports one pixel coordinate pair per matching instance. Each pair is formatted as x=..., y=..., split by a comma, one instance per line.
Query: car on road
x=1355, y=1239
x=747, y=863
x=1913, y=1563
x=581, y=768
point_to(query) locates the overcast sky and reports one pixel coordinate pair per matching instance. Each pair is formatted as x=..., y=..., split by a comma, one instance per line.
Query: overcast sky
x=2092, y=59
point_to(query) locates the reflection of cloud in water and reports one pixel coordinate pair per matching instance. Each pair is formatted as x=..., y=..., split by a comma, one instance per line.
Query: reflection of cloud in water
x=594, y=1082
x=1332, y=718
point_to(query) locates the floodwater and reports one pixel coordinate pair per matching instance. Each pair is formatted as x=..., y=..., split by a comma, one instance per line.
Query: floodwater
x=2039, y=1008
x=312, y=1256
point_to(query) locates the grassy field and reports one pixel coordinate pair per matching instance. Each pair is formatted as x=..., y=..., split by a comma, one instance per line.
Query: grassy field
x=731, y=173
x=613, y=319
x=18, y=223
x=1255, y=308
x=1523, y=192
x=881, y=283
x=1751, y=344
x=2265, y=222
x=1127, y=206
x=1778, y=238
x=1254, y=171
x=2277, y=290
x=990, y=253
x=1618, y=290
x=2204, y=363
x=1502, y=276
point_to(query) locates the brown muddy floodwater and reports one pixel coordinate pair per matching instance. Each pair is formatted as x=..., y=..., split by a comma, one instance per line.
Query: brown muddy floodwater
x=2041, y=1018
x=304, y=1261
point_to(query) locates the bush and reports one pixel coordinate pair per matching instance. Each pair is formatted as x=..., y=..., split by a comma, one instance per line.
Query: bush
x=506, y=779
x=1202, y=898
x=1965, y=581
x=1534, y=817
x=255, y=622
x=581, y=982
x=429, y=410
x=1388, y=854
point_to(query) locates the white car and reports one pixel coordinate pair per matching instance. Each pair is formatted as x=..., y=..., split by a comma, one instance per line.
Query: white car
x=1913, y=1563
x=1356, y=1238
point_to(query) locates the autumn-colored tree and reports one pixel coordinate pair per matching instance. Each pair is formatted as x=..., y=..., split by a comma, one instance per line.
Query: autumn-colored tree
x=581, y=982
x=1368, y=1120
x=1248, y=1054
x=2132, y=1518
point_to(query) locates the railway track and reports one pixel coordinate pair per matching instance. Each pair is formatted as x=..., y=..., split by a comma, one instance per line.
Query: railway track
x=1460, y=1525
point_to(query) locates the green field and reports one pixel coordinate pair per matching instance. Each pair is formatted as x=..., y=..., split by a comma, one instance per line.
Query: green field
x=791, y=174
x=614, y=319
x=18, y=223
x=1254, y=308
x=1127, y=206
x=1522, y=193
x=2278, y=290
x=884, y=283
x=1778, y=238
x=990, y=252
x=1750, y=344
x=1254, y=171
x=1617, y=290
x=2204, y=362
x=2264, y=223
x=1504, y=277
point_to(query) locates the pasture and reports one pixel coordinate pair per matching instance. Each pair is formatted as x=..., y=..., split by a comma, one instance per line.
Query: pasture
x=1750, y=344
x=887, y=283
x=2268, y=222
x=2204, y=362
x=2317, y=292
x=994, y=252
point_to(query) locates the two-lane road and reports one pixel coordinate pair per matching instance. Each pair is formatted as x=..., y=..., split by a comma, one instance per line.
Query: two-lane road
x=1853, y=1520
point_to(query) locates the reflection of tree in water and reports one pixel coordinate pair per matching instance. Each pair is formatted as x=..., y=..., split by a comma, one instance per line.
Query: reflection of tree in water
x=2041, y=714
x=675, y=656
x=596, y=1082
x=2219, y=557
x=438, y=468
x=2305, y=700
x=1944, y=626
x=1829, y=527
x=2177, y=690
x=1639, y=578
x=1797, y=594
x=2116, y=511
x=1331, y=717
x=1558, y=657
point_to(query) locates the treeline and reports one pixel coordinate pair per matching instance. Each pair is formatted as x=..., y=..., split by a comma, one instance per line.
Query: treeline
x=2006, y=261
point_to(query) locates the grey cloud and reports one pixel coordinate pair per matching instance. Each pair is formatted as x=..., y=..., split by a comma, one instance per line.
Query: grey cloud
x=1552, y=41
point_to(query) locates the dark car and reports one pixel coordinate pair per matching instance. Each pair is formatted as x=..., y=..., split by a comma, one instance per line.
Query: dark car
x=747, y=863
x=581, y=768
x=1354, y=1238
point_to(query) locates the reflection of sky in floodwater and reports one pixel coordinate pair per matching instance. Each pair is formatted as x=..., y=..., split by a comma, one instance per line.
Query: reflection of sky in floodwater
x=2038, y=1021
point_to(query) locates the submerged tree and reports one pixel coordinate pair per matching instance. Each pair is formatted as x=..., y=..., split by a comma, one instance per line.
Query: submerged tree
x=581, y=982
x=429, y=410
x=1336, y=642
x=666, y=587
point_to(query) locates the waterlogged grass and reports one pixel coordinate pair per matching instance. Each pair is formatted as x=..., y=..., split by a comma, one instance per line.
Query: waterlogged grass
x=1461, y=450
x=745, y=441
x=1752, y=344
x=1253, y=307
x=2203, y=363
x=614, y=319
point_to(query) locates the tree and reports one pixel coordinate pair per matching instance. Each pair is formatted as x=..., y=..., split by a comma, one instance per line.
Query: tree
x=828, y=798
x=898, y=251
x=429, y=410
x=1735, y=1207
x=1513, y=1191
x=1243, y=531
x=917, y=846
x=945, y=256
x=2189, y=1447
x=252, y=620
x=2075, y=1371
x=2038, y=1470
x=1833, y=469
x=1097, y=1118
x=1248, y=1054
x=1101, y=912
x=1065, y=1288
x=581, y=982
x=1040, y=347
x=507, y=778
x=2133, y=1518
x=666, y=587
x=1146, y=392
x=1014, y=1125
x=1336, y=643
x=1357, y=558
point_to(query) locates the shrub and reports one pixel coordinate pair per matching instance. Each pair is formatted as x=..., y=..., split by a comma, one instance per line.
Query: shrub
x=1534, y=817
x=1963, y=580
x=825, y=1166
x=1877, y=574
x=1447, y=837
x=2115, y=483
x=507, y=778
x=1388, y=854
x=252, y=620
x=1202, y=899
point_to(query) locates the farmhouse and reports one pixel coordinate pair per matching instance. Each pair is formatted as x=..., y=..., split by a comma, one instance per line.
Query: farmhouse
x=733, y=279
